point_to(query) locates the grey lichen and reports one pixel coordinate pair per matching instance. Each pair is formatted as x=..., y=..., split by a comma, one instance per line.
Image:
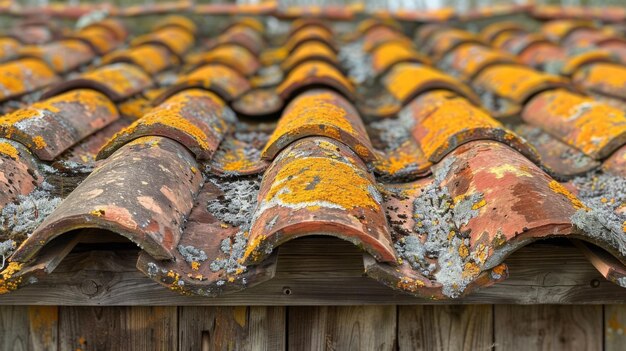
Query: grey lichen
x=238, y=201
x=605, y=219
x=6, y=249
x=440, y=250
x=20, y=218
x=392, y=132
x=234, y=248
x=356, y=61
x=192, y=254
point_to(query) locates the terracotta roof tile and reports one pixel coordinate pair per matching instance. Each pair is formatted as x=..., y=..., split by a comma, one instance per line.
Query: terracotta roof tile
x=209, y=151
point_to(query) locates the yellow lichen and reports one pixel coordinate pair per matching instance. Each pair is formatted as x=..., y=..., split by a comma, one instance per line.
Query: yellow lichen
x=6, y=282
x=560, y=189
x=195, y=265
x=9, y=150
x=479, y=204
x=39, y=142
x=317, y=69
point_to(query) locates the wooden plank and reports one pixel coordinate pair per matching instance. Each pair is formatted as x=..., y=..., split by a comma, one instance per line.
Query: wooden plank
x=548, y=327
x=342, y=328
x=459, y=327
x=614, y=327
x=542, y=273
x=232, y=328
x=118, y=328
x=28, y=328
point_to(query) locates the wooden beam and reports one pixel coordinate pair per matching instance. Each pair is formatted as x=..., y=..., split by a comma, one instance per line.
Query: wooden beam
x=320, y=271
x=28, y=327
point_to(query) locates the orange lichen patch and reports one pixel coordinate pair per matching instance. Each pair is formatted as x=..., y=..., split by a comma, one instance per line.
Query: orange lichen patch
x=272, y=56
x=39, y=142
x=445, y=40
x=516, y=83
x=236, y=161
x=23, y=76
x=406, y=80
x=322, y=113
x=470, y=59
x=577, y=62
x=306, y=34
x=135, y=107
x=7, y=283
x=314, y=72
x=595, y=128
x=176, y=21
x=410, y=284
x=62, y=56
x=8, y=48
x=387, y=55
x=118, y=80
x=493, y=30
x=151, y=58
x=232, y=55
x=560, y=189
x=101, y=39
x=251, y=23
x=176, y=39
x=252, y=250
x=114, y=25
x=307, y=51
x=9, y=150
x=558, y=30
x=383, y=35
x=604, y=78
x=369, y=23
x=225, y=81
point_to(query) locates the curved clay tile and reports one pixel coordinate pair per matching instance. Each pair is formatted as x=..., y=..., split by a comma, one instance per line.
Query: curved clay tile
x=226, y=82
x=370, y=23
x=446, y=40
x=559, y=29
x=244, y=36
x=249, y=22
x=609, y=266
x=425, y=32
x=471, y=59
x=258, y=103
x=63, y=56
x=514, y=84
x=312, y=50
x=19, y=173
x=50, y=127
x=8, y=48
x=585, y=37
x=518, y=44
x=101, y=40
x=442, y=121
x=541, y=55
x=118, y=81
x=492, y=31
x=206, y=260
x=301, y=23
x=175, y=39
x=195, y=118
x=383, y=35
x=577, y=62
x=24, y=76
x=143, y=192
x=315, y=73
x=233, y=55
x=178, y=22
x=387, y=55
x=151, y=58
x=560, y=158
x=484, y=201
x=114, y=25
x=320, y=113
x=307, y=34
x=595, y=128
x=616, y=163
x=318, y=186
x=405, y=81
x=603, y=78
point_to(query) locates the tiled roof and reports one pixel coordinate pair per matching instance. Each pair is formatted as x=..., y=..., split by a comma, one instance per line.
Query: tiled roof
x=437, y=154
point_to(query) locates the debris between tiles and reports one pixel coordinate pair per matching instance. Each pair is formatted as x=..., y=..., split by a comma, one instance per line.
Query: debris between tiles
x=192, y=254
x=356, y=61
x=238, y=201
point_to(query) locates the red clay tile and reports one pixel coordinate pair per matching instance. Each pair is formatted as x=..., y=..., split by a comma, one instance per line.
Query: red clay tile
x=315, y=73
x=471, y=59
x=114, y=25
x=608, y=79
x=62, y=56
x=518, y=44
x=405, y=81
x=318, y=186
x=118, y=81
x=101, y=40
x=8, y=48
x=311, y=50
x=594, y=128
x=24, y=76
x=258, y=103
x=558, y=30
x=387, y=55
x=226, y=82
x=249, y=22
x=301, y=23
x=178, y=22
x=151, y=58
x=232, y=55
x=19, y=173
x=175, y=39
x=163, y=177
x=442, y=121
x=609, y=266
x=383, y=35
x=242, y=35
x=542, y=54
x=320, y=113
x=308, y=34
x=445, y=40
x=576, y=62
x=616, y=163
x=50, y=127
x=196, y=118
x=492, y=31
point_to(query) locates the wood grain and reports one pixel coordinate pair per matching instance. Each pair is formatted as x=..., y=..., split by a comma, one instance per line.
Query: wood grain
x=548, y=327
x=232, y=328
x=118, y=328
x=342, y=328
x=319, y=271
x=28, y=327
x=614, y=327
x=452, y=327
